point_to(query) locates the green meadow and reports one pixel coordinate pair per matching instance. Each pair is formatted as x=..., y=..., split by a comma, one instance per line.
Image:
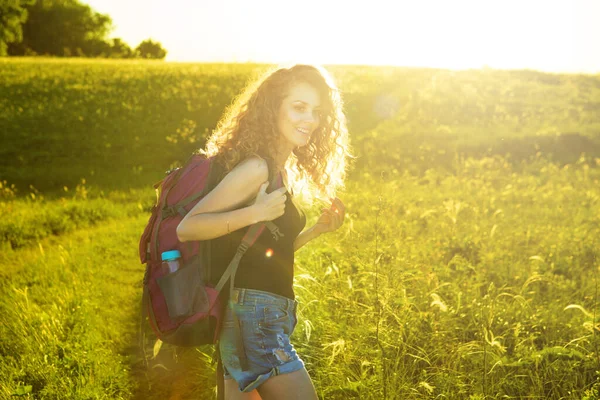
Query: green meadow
x=467, y=267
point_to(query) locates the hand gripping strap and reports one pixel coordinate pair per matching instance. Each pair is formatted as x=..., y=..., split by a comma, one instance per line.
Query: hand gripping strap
x=248, y=240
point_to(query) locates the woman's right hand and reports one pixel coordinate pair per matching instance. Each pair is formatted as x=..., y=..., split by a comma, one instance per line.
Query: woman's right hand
x=269, y=206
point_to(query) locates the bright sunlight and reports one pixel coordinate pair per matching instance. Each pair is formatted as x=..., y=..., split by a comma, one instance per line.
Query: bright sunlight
x=547, y=35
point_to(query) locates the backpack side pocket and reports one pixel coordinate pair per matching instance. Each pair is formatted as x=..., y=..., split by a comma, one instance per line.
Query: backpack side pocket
x=184, y=292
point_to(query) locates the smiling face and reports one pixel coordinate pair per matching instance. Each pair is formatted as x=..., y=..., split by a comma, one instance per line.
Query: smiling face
x=299, y=116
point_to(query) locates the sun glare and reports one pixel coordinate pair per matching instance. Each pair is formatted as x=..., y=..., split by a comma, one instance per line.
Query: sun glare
x=547, y=35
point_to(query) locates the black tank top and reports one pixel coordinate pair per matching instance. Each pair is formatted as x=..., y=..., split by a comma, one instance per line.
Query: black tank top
x=269, y=264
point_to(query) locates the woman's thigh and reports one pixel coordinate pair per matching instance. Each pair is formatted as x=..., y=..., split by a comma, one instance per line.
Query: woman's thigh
x=232, y=392
x=293, y=386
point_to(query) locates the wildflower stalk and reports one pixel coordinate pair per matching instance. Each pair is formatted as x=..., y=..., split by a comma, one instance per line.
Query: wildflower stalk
x=594, y=320
x=484, y=367
x=377, y=303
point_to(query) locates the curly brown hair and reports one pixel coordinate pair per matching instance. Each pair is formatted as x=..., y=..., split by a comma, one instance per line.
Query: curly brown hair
x=249, y=128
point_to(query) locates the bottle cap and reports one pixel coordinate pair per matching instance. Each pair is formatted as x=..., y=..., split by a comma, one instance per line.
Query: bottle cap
x=171, y=255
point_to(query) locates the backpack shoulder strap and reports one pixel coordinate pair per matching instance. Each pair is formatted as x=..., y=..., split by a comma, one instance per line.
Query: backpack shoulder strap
x=213, y=178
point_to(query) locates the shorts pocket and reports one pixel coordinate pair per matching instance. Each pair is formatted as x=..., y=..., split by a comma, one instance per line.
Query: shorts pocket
x=275, y=315
x=244, y=314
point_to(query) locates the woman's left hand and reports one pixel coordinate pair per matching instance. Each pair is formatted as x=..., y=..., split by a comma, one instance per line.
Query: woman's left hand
x=332, y=218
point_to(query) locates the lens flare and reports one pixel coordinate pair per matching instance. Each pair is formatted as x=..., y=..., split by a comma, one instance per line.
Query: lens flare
x=269, y=253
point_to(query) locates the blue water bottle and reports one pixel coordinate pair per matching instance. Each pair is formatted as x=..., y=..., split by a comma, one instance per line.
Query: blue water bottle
x=170, y=261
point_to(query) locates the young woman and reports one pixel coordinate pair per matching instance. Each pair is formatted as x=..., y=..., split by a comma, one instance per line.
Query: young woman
x=290, y=125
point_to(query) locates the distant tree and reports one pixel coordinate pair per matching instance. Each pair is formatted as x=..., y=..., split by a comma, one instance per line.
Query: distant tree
x=150, y=49
x=63, y=28
x=12, y=16
x=96, y=48
x=120, y=49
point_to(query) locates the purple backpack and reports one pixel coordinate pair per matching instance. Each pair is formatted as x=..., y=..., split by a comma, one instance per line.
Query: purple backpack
x=183, y=307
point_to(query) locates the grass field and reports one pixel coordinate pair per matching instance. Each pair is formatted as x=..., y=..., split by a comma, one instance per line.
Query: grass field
x=467, y=268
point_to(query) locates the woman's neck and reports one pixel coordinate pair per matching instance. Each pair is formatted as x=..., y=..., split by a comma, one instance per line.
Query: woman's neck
x=281, y=158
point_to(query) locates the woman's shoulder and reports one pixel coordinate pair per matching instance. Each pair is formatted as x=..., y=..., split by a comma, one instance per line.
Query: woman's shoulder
x=251, y=169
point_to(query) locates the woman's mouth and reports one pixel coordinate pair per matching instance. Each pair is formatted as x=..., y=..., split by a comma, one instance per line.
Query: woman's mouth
x=303, y=131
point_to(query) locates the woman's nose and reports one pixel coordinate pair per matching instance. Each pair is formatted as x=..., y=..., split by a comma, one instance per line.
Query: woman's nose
x=310, y=117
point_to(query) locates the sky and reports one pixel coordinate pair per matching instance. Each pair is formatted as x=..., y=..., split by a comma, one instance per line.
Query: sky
x=548, y=35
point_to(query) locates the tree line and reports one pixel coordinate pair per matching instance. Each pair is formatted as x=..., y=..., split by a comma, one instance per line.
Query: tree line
x=64, y=28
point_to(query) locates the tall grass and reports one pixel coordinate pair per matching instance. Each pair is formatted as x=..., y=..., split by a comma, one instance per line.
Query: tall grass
x=481, y=283
x=467, y=267
x=69, y=315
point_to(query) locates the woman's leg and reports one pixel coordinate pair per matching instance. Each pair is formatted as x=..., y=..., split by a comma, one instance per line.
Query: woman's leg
x=293, y=386
x=232, y=392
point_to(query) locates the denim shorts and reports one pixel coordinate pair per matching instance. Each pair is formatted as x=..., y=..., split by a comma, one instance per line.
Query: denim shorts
x=259, y=347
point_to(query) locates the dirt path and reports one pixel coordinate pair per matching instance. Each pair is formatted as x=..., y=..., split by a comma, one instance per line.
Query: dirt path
x=74, y=301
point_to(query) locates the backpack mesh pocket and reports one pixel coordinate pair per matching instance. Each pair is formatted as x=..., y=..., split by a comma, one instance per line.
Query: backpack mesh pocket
x=184, y=292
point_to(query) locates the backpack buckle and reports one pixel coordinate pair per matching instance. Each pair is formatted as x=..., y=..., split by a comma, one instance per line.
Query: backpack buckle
x=243, y=247
x=171, y=211
x=276, y=234
x=168, y=212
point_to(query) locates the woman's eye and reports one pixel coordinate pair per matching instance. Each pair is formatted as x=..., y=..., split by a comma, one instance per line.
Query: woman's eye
x=300, y=108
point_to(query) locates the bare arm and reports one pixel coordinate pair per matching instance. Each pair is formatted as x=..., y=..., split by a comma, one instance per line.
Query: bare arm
x=305, y=237
x=221, y=211
x=330, y=220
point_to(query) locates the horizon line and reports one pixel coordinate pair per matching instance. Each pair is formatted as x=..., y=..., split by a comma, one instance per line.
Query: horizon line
x=336, y=64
